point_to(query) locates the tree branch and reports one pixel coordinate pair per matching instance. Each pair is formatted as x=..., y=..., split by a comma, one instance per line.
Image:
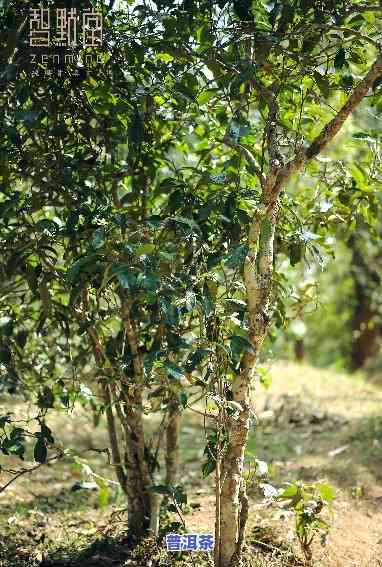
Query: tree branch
x=31, y=469
x=268, y=94
x=116, y=454
x=327, y=133
x=133, y=342
x=366, y=8
x=247, y=154
x=357, y=33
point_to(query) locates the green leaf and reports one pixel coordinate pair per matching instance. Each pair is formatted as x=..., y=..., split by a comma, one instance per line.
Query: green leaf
x=103, y=496
x=125, y=276
x=191, y=224
x=206, y=96
x=5, y=354
x=165, y=57
x=347, y=81
x=46, y=433
x=21, y=338
x=13, y=447
x=40, y=452
x=169, y=183
x=204, y=34
x=208, y=468
x=80, y=265
x=183, y=399
x=241, y=344
x=145, y=249
x=289, y=492
x=47, y=226
x=236, y=256
x=161, y=489
x=173, y=370
x=148, y=281
x=296, y=253
x=98, y=238
x=326, y=491
x=340, y=58
x=322, y=83
x=4, y=419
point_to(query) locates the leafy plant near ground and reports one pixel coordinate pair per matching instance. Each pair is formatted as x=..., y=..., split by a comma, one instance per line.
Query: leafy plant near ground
x=308, y=501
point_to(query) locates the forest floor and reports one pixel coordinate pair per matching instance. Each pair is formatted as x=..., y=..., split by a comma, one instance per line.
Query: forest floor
x=315, y=425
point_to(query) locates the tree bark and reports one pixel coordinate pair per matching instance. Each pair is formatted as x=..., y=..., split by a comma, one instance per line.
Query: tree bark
x=137, y=473
x=258, y=270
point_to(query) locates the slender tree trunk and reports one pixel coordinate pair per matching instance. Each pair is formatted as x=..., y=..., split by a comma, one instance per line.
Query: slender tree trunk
x=258, y=269
x=113, y=438
x=137, y=469
x=366, y=332
x=133, y=473
x=137, y=473
x=172, y=440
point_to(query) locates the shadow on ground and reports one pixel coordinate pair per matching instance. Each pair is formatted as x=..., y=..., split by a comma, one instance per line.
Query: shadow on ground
x=306, y=443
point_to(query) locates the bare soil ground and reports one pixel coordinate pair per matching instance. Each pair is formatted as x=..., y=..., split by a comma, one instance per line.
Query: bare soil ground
x=314, y=425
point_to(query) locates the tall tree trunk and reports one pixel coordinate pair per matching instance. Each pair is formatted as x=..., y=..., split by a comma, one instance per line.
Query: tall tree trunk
x=137, y=469
x=365, y=330
x=135, y=476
